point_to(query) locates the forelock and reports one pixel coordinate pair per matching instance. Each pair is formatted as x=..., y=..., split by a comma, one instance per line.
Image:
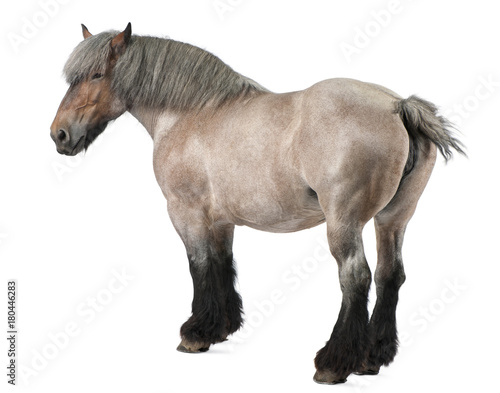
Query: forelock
x=89, y=57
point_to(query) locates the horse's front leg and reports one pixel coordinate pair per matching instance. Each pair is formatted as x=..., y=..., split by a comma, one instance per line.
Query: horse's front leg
x=216, y=306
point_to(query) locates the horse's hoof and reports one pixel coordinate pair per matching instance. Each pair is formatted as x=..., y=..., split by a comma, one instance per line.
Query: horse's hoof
x=365, y=370
x=190, y=347
x=328, y=378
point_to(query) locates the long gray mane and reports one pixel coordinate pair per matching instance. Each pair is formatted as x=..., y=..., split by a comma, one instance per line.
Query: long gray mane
x=160, y=73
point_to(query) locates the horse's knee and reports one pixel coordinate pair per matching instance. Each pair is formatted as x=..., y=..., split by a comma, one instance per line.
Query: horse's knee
x=390, y=270
x=392, y=274
x=399, y=275
x=355, y=276
x=346, y=247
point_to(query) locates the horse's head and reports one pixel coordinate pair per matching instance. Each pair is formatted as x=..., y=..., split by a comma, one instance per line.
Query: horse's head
x=90, y=102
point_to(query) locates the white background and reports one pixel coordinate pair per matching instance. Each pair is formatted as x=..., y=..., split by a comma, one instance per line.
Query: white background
x=62, y=236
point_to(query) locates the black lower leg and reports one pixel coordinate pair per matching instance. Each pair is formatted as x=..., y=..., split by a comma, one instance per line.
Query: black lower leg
x=232, y=299
x=382, y=328
x=216, y=306
x=348, y=344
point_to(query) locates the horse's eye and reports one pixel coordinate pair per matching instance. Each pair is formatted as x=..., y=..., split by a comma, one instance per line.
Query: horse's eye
x=96, y=76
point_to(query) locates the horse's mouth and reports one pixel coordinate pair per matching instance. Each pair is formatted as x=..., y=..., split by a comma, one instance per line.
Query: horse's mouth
x=84, y=141
x=72, y=151
x=78, y=147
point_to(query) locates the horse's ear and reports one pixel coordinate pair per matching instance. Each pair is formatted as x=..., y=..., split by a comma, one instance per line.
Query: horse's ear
x=120, y=42
x=86, y=32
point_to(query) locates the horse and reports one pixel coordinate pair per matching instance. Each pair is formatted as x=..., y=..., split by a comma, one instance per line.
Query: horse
x=229, y=152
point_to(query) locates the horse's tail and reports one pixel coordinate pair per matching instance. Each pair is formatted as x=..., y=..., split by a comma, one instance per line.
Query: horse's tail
x=422, y=122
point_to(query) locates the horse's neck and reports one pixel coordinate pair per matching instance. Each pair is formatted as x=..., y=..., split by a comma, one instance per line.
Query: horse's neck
x=155, y=122
x=159, y=122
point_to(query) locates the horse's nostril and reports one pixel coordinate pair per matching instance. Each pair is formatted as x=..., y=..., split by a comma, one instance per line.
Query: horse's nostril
x=62, y=135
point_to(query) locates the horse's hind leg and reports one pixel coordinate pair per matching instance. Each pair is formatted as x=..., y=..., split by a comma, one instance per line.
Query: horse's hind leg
x=389, y=276
x=216, y=306
x=390, y=225
x=346, y=349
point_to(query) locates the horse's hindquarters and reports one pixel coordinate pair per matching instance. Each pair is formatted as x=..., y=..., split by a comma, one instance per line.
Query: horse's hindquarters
x=353, y=148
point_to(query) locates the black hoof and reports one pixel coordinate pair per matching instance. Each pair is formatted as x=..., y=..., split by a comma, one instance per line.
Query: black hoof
x=192, y=347
x=328, y=378
x=367, y=372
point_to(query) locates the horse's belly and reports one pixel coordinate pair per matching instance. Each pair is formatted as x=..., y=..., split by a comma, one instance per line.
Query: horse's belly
x=284, y=226
x=292, y=211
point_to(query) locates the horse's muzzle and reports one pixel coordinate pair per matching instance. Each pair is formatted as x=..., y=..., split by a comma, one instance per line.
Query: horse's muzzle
x=65, y=144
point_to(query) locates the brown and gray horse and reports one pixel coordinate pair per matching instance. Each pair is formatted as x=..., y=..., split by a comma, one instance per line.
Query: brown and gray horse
x=229, y=152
